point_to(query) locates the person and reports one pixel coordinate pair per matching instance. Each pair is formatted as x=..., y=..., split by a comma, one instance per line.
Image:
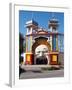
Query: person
x=23, y=56
x=41, y=55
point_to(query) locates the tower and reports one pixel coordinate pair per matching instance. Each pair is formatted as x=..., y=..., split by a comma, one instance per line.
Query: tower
x=53, y=26
x=31, y=29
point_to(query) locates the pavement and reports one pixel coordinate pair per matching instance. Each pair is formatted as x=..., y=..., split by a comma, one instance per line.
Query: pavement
x=37, y=67
x=35, y=71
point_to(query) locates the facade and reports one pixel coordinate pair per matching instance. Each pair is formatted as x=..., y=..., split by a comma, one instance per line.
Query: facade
x=42, y=45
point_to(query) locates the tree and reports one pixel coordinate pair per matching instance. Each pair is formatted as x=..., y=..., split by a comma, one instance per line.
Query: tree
x=21, y=48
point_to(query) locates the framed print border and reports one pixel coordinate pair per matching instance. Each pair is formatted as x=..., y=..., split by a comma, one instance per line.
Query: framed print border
x=14, y=42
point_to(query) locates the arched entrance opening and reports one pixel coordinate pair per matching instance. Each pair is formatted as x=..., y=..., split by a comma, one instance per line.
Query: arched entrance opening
x=41, y=61
x=40, y=49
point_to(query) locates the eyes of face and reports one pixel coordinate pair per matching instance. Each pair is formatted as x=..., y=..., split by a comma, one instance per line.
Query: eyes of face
x=42, y=51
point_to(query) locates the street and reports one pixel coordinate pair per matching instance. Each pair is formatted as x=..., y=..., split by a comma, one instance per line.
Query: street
x=41, y=74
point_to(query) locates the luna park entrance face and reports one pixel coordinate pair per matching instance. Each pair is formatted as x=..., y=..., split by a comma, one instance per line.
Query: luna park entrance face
x=41, y=55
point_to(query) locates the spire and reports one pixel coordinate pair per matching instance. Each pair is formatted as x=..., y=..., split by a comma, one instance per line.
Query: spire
x=53, y=23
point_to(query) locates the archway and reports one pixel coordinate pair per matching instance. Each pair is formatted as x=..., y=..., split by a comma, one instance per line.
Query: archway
x=43, y=47
x=39, y=41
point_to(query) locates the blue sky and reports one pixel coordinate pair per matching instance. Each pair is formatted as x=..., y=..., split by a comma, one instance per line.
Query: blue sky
x=41, y=17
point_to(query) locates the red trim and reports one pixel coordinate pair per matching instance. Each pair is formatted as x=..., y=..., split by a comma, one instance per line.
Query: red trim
x=31, y=59
x=35, y=34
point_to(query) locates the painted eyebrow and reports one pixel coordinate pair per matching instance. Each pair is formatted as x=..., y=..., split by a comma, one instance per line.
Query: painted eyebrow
x=44, y=48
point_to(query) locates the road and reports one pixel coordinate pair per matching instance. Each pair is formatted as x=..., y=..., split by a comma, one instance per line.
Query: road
x=42, y=74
